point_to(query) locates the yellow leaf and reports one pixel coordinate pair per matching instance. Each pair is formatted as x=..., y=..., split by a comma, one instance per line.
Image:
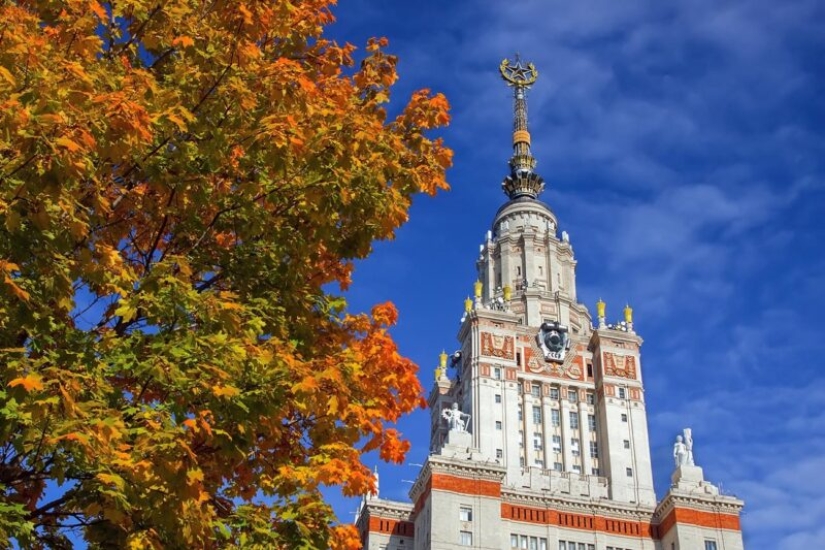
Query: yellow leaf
x=194, y=476
x=67, y=143
x=7, y=76
x=113, y=479
x=226, y=391
x=29, y=382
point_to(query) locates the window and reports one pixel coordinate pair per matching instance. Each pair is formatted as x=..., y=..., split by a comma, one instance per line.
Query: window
x=624, y=418
x=498, y=424
x=629, y=472
x=513, y=541
x=498, y=398
x=710, y=545
x=535, y=390
x=574, y=420
x=499, y=453
x=556, y=443
x=520, y=413
x=542, y=544
x=497, y=373
x=581, y=546
x=562, y=545
x=591, y=422
x=574, y=446
x=557, y=466
x=539, y=462
x=594, y=449
x=590, y=370
x=537, y=441
x=524, y=542
x=554, y=393
x=521, y=461
x=594, y=471
x=555, y=417
x=465, y=538
x=626, y=444
x=534, y=543
x=591, y=398
x=591, y=547
x=577, y=468
x=573, y=396
x=536, y=415
x=521, y=438
x=465, y=513
x=622, y=393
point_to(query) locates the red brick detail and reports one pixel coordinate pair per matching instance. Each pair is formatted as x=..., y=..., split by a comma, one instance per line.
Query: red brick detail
x=392, y=527
x=713, y=520
x=511, y=374
x=478, y=487
x=527, y=514
x=485, y=370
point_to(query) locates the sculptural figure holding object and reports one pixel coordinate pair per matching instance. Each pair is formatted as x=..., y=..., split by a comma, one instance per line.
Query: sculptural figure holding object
x=680, y=452
x=683, y=449
x=455, y=418
x=689, y=445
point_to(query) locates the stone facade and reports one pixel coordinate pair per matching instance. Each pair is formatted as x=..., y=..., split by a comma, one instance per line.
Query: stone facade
x=555, y=451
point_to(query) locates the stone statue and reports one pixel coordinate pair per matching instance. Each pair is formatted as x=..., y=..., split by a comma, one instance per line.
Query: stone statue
x=689, y=446
x=455, y=418
x=680, y=452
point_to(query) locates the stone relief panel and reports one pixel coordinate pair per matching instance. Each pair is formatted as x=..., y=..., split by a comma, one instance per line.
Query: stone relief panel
x=623, y=366
x=571, y=369
x=493, y=345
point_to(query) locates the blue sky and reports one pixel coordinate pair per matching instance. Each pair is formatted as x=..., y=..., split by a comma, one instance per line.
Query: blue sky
x=682, y=144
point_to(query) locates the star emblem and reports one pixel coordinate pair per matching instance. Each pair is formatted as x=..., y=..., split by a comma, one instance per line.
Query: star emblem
x=518, y=74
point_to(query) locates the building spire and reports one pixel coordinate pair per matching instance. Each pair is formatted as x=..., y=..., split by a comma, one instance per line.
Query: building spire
x=522, y=181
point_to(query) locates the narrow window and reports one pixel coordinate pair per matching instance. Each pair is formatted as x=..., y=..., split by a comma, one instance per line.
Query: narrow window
x=629, y=472
x=536, y=415
x=555, y=417
x=465, y=538
x=574, y=420
x=622, y=393
x=498, y=398
x=591, y=422
x=573, y=396
x=624, y=418
x=497, y=373
x=465, y=513
x=594, y=449
x=498, y=424
x=626, y=444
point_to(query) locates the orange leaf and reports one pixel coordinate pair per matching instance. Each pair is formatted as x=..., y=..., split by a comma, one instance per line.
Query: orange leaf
x=29, y=382
x=184, y=41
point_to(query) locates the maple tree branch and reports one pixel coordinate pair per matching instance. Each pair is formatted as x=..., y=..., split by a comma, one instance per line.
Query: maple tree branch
x=139, y=32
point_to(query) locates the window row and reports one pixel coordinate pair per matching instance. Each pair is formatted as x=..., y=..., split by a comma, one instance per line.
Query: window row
x=570, y=545
x=555, y=394
x=523, y=542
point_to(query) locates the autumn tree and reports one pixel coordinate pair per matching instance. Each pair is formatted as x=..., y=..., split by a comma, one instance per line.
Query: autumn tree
x=182, y=183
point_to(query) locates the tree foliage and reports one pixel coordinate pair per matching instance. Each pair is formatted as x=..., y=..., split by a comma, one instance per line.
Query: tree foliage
x=180, y=184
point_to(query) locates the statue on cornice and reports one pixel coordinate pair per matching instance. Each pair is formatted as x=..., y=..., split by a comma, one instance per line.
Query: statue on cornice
x=683, y=449
x=455, y=418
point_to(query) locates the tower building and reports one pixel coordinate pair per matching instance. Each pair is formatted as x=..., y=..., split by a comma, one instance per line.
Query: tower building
x=538, y=435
